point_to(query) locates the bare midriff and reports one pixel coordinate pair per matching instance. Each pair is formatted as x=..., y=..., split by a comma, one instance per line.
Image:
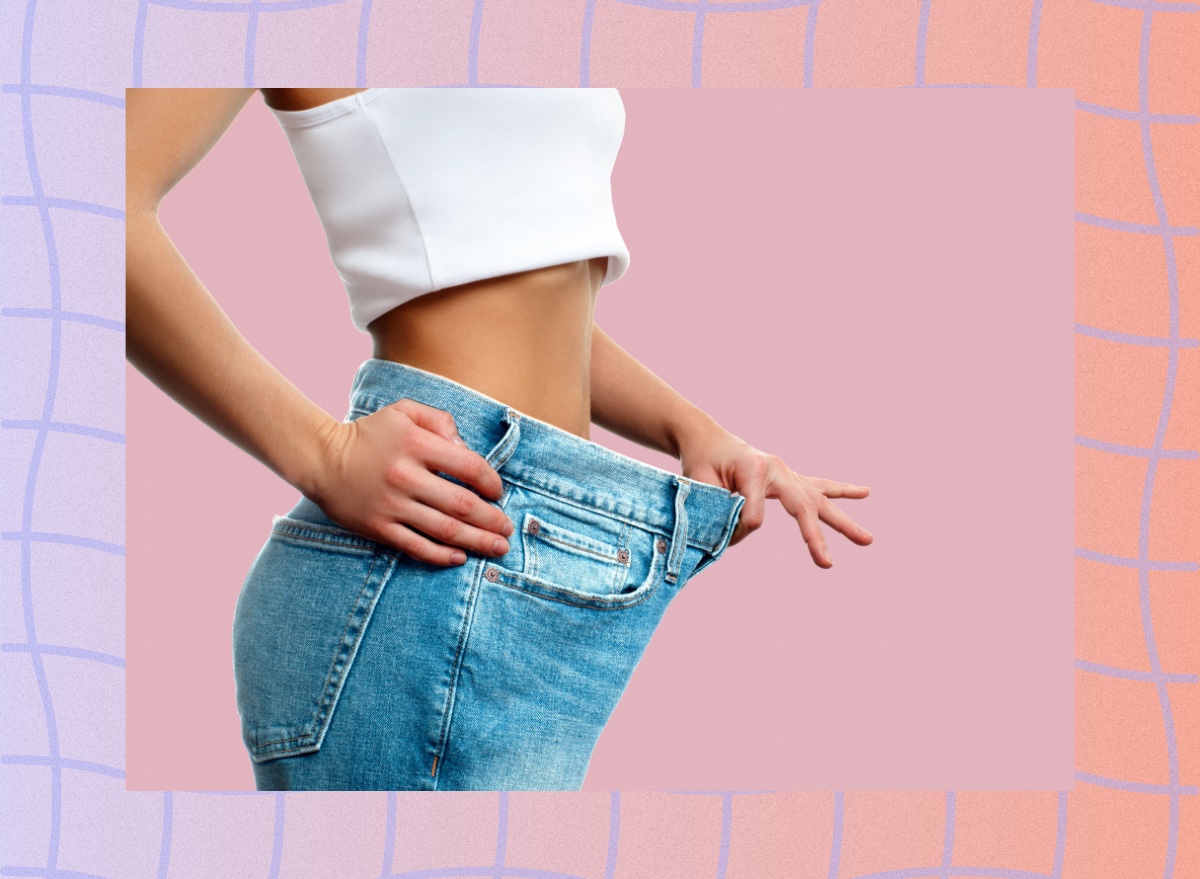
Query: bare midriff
x=524, y=339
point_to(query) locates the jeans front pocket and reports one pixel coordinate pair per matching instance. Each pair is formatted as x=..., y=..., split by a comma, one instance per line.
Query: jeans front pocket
x=300, y=618
x=559, y=549
x=553, y=644
x=575, y=554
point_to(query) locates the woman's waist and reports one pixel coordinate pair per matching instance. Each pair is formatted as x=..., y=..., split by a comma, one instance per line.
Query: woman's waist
x=543, y=458
x=523, y=380
x=524, y=339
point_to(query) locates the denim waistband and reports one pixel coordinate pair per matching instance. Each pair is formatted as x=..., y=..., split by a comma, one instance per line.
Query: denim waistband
x=547, y=458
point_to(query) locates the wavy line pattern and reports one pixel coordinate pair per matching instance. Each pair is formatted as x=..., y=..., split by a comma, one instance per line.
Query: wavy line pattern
x=1099, y=807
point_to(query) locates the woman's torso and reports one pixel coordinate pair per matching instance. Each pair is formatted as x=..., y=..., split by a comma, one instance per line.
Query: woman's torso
x=523, y=339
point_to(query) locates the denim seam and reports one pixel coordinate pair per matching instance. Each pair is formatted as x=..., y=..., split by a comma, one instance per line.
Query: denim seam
x=529, y=544
x=280, y=753
x=622, y=567
x=543, y=536
x=682, y=487
x=513, y=580
x=730, y=524
x=323, y=708
x=456, y=666
x=572, y=502
x=317, y=534
x=360, y=616
x=532, y=558
x=503, y=450
x=726, y=535
x=452, y=688
x=608, y=558
x=348, y=540
x=662, y=532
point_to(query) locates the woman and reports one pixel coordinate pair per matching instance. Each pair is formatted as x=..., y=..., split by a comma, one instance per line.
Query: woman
x=525, y=566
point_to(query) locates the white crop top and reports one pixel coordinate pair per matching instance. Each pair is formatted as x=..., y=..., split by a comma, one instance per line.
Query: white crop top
x=425, y=188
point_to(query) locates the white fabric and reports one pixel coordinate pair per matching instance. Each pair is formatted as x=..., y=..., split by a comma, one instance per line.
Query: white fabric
x=426, y=188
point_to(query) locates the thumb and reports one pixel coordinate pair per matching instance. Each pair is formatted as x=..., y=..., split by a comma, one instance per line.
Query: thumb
x=705, y=473
x=754, y=509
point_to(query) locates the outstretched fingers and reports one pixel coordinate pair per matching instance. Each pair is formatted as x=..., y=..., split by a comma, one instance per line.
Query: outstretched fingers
x=835, y=517
x=832, y=489
x=803, y=507
x=838, y=520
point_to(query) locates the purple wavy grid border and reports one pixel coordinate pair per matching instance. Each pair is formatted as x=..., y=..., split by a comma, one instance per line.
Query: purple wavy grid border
x=20, y=636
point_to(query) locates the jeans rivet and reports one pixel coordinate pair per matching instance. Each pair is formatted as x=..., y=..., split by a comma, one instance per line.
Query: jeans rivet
x=623, y=556
x=492, y=574
x=661, y=545
x=534, y=526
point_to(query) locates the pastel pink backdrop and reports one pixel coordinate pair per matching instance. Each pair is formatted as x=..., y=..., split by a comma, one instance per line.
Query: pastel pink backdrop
x=876, y=285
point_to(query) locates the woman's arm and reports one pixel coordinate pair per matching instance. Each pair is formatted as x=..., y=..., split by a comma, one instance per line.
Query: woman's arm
x=178, y=336
x=631, y=401
x=367, y=474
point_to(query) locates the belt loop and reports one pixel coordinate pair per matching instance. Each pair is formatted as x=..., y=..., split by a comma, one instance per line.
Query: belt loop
x=508, y=443
x=679, y=536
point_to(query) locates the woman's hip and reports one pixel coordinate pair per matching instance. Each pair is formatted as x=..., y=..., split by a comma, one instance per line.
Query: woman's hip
x=497, y=673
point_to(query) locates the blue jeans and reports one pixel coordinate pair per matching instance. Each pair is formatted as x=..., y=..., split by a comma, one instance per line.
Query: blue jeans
x=359, y=667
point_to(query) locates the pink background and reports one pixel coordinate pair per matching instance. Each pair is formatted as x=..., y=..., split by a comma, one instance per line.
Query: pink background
x=875, y=285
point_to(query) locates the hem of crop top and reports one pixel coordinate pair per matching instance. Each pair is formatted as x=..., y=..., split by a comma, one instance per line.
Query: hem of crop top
x=329, y=110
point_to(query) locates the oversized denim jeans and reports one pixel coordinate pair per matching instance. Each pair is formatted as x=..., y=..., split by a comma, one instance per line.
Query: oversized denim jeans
x=359, y=667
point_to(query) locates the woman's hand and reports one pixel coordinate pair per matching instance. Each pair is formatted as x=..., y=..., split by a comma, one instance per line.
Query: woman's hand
x=378, y=476
x=716, y=456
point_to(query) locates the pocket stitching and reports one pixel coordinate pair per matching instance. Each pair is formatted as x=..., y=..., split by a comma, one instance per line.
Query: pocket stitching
x=553, y=533
x=311, y=739
x=513, y=580
x=316, y=722
x=619, y=572
x=343, y=537
x=573, y=502
x=463, y=636
x=599, y=555
x=617, y=565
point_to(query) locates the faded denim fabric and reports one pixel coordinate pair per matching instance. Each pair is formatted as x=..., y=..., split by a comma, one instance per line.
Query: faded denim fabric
x=361, y=668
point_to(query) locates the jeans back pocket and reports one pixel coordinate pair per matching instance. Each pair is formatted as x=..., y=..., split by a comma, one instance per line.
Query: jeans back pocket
x=300, y=618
